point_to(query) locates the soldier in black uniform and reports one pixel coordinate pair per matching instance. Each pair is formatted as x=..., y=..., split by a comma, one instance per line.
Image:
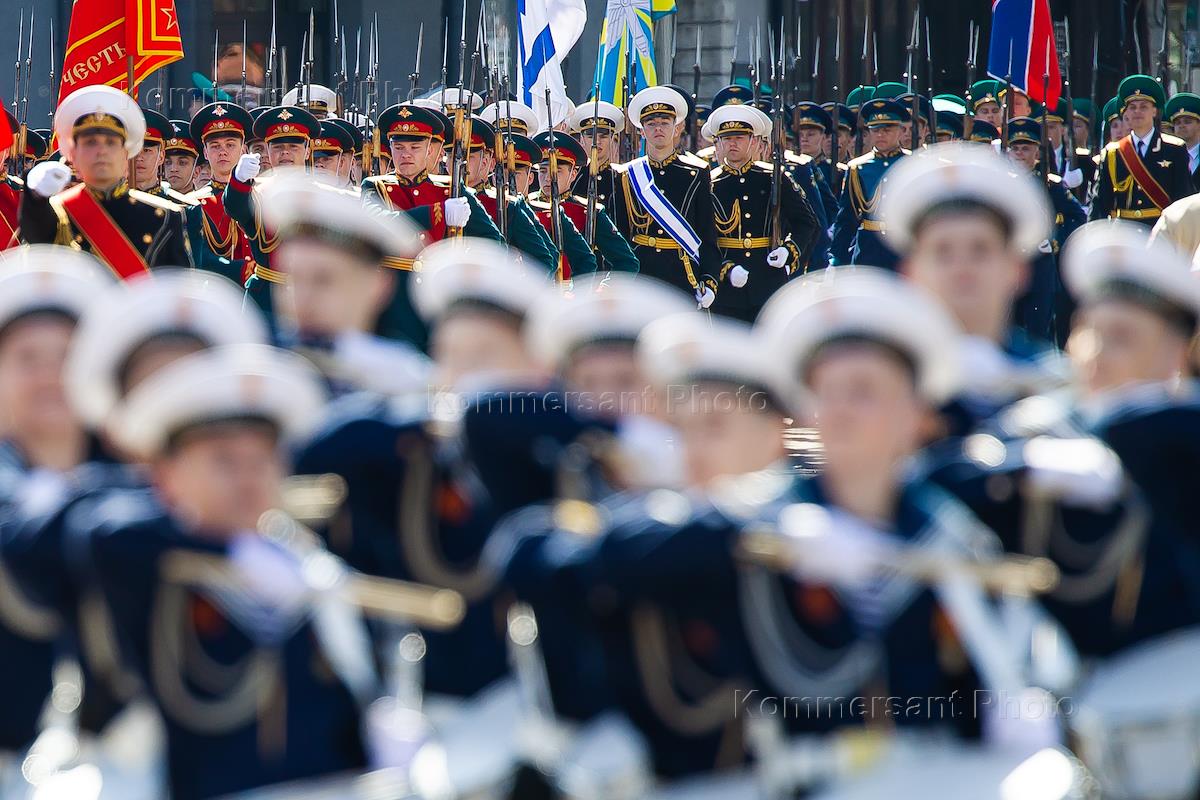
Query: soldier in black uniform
x=605, y=120
x=1145, y=171
x=99, y=129
x=1183, y=112
x=753, y=265
x=663, y=201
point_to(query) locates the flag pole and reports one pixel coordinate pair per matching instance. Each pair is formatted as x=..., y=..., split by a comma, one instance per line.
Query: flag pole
x=132, y=90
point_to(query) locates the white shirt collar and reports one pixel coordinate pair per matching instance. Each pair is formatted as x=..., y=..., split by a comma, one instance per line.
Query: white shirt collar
x=1139, y=140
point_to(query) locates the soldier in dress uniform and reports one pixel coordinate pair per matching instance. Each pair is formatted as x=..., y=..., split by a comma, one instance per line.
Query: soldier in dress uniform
x=611, y=249
x=523, y=232
x=1045, y=310
x=1074, y=176
x=1112, y=127
x=330, y=256
x=36, y=148
x=99, y=129
x=754, y=265
x=334, y=151
x=320, y=101
x=814, y=126
x=43, y=291
x=847, y=120
x=1146, y=170
x=606, y=121
x=1183, y=112
x=218, y=242
x=983, y=132
x=858, y=234
x=10, y=196
x=148, y=163
x=949, y=126
x=985, y=102
x=663, y=201
x=181, y=154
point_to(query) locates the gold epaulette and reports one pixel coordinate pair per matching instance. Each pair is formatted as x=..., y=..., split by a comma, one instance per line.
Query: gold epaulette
x=154, y=200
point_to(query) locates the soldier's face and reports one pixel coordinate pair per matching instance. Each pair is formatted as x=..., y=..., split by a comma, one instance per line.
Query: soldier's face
x=886, y=138
x=468, y=343
x=288, y=154
x=203, y=175
x=222, y=153
x=726, y=430
x=659, y=133
x=1020, y=105
x=1188, y=129
x=605, y=141
x=222, y=480
x=179, y=171
x=33, y=404
x=1054, y=132
x=328, y=292
x=963, y=259
x=735, y=150
x=990, y=112
x=565, y=177
x=523, y=176
x=1115, y=344
x=608, y=381
x=328, y=168
x=146, y=165
x=1024, y=153
x=259, y=148
x=1139, y=115
x=480, y=164
x=1117, y=129
x=100, y=158
x=866, y=408
x=1081, y=130
x=410, y=157
x=811, y=140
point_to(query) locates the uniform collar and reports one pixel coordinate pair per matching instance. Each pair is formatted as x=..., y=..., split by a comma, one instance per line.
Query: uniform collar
x=891, y=154
x=742, y=170
x=664, y=162
x=120, y=190
x=420, y=177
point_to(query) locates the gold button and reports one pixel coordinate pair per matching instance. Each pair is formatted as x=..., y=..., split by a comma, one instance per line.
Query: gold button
x=748, y=243
x=158, y=212
x=147, y=239
x=132, y=202
x=660, y=230
x=691, y=172
x=653, y=240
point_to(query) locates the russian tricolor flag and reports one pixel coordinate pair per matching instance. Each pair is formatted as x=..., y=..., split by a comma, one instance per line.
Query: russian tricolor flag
x=1023, y=32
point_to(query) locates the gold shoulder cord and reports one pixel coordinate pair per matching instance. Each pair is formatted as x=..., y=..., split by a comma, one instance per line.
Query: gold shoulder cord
x=726, y=225
x=63, y=235
x=22, y=615
x=638, y=221
x=1126, y=185
x=863, y=205
x=656, y=668
x=222, y=246
x=416, y=527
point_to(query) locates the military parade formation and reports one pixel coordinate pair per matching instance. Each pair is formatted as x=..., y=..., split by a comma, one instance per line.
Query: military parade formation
x=689, y=448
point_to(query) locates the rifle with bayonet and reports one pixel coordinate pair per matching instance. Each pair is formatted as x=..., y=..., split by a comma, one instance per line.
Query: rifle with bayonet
x=929, y=84
x=695, y=95
x=594, y=163
x=1097, y=111
x=339, y=53
x=972, y=52
x=756, y=63
x=269, y=72
x=415, y=75
x=913, y=45
x=737, y=35
x=1164, y=64
x=778, y=149
x=242, y=91
x=1006, y=116
x=556, y=233
x=458, y=161
x=53, y=85
x=23, y=120
x=17, y=67
x=1071, y=160
x=310, y=59
x=1045, y=139
x=866, y=76
x=835, y=150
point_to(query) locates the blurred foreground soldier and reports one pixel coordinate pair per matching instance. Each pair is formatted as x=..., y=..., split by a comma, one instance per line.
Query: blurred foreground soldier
x=99, y=129
x=1180, y=225
x=330, y=256
x=1044, y=300
x=43, y=291
x=611, y=249
x=211, y=427
x=966, y=224
x=858, y=234
x=218, y=243
x=1145, y=171
x=182, y=152
x=753, y=265
x=663, y=201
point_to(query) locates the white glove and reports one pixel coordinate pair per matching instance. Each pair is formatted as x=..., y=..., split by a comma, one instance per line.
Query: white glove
x=274, y=575
x=651, y=454
x=1072, y=178
x=248, y=167
x=705, y=297
x=458, y=211
x=1081, y=471
x=48, y=178
x=832, y=547
x=1046, y=246
x=777, y=257
x=739, y=275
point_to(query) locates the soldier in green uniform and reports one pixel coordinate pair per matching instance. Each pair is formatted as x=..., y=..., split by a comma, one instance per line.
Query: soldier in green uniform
x=985, y=102
x=1183, y=112
x=217, y=242
x=1146, y=170
x=949, y=126
x=814, y=126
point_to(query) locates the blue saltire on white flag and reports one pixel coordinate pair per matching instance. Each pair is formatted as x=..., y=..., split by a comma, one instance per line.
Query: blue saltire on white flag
x=546, y=32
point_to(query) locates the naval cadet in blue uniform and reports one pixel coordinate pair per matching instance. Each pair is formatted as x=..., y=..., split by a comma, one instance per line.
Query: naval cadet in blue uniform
x=858, y=233
x=1044, y=312
x=813, y=124
x=1145, y=170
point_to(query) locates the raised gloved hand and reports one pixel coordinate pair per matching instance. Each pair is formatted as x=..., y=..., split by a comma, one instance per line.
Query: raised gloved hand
x=458, y=211
x=48, y=178
x=832, y=547
x=1072, y=178
x=273, y=574
x=738, y=275
x=778, y=257
x=705, y=297
x=1081, y=471
x=248, y=167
